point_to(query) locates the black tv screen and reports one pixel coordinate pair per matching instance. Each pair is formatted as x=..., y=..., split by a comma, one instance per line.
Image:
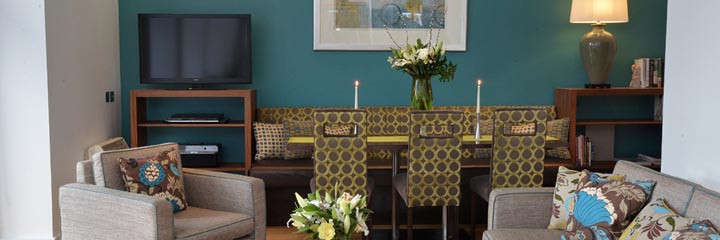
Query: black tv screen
x=195, y=48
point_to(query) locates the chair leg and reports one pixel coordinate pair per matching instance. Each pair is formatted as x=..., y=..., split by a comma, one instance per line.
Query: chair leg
x=447, y=232
x=456, y=222
x=473, y=215
x=395, y=229
x=410, y=223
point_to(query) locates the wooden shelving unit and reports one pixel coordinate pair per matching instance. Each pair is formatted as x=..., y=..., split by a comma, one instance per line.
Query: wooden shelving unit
x=566, y=104
x=139, y=123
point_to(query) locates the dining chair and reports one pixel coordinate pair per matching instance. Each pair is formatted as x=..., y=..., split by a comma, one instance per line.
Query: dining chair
x=433, y=168
x=340, y=158
x=518, y=154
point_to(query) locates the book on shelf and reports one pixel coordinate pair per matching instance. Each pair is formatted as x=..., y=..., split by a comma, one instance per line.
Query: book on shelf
x=648, y=73
x=585, y=151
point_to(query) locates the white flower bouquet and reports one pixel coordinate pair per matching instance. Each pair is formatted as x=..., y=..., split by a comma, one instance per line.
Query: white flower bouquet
x=423, y=61
x=329, y=218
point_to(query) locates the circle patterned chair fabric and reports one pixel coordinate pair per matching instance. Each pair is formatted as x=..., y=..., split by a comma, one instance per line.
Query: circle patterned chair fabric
x=518, y=154
x=340, y=159
x=433, y=172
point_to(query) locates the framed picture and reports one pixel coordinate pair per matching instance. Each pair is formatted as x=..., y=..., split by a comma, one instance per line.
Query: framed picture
x=367, y=25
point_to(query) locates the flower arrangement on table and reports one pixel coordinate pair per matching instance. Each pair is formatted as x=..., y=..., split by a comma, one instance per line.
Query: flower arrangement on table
x=422, y=62
x=330, y=218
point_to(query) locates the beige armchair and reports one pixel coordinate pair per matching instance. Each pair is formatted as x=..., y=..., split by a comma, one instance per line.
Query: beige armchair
x=221, y=205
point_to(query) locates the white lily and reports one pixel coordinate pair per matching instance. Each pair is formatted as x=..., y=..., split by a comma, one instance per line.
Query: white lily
x=423, y=54
x=346, y=223
x=361, y=226
x=301, y=201
x=355, y=200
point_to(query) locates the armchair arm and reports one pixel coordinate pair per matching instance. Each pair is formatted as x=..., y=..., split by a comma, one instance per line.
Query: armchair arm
x=520, y=208
x=227, y=192
x=95, y=212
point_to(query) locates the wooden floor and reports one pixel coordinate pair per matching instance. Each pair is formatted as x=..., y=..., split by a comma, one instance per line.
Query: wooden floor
x=284, y=233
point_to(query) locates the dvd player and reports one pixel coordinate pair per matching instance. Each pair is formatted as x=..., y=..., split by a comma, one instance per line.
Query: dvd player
x=197, y=118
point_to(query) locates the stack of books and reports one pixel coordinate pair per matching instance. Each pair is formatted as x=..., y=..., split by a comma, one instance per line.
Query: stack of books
x=585, y=151
x=648, y=73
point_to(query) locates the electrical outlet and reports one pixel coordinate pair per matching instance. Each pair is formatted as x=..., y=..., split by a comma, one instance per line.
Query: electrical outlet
x=112, y=96
x=107, y=97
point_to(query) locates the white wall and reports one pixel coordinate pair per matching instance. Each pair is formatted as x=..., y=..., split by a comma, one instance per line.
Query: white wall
x=25, y=185
x=57, y=58
x=691, y=135
x=83, y=62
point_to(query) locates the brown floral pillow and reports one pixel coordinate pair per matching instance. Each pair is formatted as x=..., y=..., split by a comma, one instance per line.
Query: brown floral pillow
x=567, y=183
x=159, y=175
x=605, y=207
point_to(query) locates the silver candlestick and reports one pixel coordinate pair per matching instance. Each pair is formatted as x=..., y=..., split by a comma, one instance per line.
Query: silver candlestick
x=478, y=128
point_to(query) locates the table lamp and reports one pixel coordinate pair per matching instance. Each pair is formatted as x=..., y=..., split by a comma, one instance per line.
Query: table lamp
x=598, y=47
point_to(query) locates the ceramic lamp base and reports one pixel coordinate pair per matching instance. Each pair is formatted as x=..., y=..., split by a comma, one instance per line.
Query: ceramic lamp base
x=597, y=49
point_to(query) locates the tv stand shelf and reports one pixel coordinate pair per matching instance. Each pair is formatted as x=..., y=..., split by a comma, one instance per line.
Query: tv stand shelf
x=161, y=123
x=139, y=122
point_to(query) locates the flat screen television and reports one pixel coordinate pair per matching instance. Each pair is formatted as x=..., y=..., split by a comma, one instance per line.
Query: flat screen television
x=195, y=48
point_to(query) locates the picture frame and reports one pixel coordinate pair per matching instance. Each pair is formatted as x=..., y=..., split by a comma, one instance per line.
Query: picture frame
x=360, y=25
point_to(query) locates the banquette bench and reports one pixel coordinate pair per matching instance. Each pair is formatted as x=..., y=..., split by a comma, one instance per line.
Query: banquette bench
x=284, y=177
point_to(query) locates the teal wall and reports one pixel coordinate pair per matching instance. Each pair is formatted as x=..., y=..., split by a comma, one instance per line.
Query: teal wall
x=523, y=49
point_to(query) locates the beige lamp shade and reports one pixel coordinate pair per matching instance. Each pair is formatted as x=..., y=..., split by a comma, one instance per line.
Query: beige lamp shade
x=603, y=11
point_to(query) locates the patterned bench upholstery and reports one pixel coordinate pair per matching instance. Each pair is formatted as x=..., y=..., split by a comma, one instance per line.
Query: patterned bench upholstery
x=387, y=121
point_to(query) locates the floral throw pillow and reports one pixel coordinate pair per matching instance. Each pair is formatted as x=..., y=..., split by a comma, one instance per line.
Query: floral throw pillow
x=567, y=183
x=159, y=176
x=603, y=209
x=703, y=230
x=655, y=221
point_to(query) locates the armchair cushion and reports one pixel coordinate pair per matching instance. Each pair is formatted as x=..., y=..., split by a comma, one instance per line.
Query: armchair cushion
x=200, y=223
x=159, y=176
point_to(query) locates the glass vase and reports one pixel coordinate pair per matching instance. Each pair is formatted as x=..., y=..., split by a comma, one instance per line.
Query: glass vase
x=421, y=96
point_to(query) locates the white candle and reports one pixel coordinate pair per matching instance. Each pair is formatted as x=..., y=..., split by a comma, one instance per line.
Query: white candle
x=357, y=83
x=477, y=105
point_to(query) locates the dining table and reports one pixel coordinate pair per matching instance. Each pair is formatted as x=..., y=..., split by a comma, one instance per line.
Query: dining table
x=396, y=144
